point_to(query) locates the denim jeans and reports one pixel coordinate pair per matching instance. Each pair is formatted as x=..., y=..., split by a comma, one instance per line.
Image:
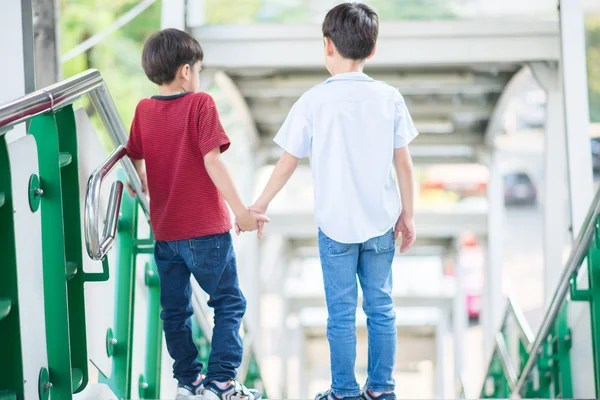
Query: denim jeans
x=372, y=262
x=211, y=260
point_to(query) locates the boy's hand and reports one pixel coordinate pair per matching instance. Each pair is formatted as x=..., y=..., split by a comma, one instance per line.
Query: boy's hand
x=260, y=209
x=144, y=181
x=406, y=226
x=248, y=221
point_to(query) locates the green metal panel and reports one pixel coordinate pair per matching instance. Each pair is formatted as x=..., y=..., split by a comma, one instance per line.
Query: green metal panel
x=594, y=288
x=73, y=238
x=11, y=366
x=154, y=334
x=44, y=129
x=120, y=381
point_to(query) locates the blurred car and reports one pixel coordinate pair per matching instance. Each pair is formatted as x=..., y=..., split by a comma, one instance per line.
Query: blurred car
x=519, y=189
x=595, y=145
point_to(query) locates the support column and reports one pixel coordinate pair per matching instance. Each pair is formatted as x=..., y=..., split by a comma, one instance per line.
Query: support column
x=460, y=319
x=45, y=28
x=173, y=14
x=492, y=292
x=576, y=111
x=555, y=176
x=577, y=117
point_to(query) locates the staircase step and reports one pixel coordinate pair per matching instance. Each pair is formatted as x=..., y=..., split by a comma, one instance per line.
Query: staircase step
x=64, y=159
x=5, y=306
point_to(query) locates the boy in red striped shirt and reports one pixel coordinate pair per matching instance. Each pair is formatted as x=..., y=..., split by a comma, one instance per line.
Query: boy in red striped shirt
x=176, y=141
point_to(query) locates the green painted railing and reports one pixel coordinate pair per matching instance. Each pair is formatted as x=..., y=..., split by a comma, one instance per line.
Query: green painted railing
x=55, y=194
x=540, y=367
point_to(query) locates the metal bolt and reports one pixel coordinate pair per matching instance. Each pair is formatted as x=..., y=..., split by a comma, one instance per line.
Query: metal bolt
x=47, y=386
x=143, y=385
x=150, y=273
x=38, y=192
x=567, y=338
x=113, y=341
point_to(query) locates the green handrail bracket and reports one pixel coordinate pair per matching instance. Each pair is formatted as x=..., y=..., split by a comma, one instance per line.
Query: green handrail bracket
x=2, y=199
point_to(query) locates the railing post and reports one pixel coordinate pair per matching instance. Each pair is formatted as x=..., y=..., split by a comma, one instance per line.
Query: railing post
x=154, y=333
x=594, y=300
x=67, y=142
x=44, y=129
x=120, y=381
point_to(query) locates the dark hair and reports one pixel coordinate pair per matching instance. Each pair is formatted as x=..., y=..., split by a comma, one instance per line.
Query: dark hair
x=353, y=28
x=165, y=51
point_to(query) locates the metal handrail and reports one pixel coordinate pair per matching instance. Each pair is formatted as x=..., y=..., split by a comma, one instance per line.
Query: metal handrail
x=522, y=324
x=98, y=247
x=59, y=95
x=576, y=257
x=524, y=331
x=509, y=370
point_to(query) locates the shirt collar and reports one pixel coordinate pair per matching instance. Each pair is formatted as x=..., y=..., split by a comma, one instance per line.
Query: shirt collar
x=350, y=76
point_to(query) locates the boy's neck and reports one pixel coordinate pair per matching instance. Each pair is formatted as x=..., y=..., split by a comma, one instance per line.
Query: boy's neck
x=171, y=89
x=344, y=66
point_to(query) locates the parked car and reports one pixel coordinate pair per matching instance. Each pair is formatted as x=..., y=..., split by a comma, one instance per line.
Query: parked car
x=519, y=189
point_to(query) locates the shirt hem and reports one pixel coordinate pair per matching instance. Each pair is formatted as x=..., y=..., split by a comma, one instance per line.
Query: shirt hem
x=361, y=239
x=192, y=235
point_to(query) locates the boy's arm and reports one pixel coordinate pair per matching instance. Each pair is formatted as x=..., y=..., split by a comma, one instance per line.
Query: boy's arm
x=284, y=169
x=140, y=168
x=404, y=171
x=245, y=219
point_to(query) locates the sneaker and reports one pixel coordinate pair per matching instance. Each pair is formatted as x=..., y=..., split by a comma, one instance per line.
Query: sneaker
x=190, y=391
x=235, y=391
x=367, y=395
x=329, y=395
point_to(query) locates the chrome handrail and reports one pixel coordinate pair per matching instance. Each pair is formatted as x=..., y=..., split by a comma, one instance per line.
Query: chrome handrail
x=61, y=94
x=98, y=247
x=524, y=331
x=522, y=324
x=576, y=257
x=509, y=370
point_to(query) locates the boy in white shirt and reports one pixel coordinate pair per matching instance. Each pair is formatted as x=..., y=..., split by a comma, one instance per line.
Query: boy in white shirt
x=355, y=131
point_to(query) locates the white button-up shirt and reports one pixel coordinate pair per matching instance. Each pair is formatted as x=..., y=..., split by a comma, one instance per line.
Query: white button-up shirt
x=349, y=126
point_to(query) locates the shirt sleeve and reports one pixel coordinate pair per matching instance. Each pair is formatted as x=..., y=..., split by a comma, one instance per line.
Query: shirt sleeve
x=404, y=128
x=134, y=143
x=295, y=135
x=211, y=133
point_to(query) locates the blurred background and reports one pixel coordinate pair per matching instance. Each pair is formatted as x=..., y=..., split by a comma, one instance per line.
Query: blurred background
x=483, y=80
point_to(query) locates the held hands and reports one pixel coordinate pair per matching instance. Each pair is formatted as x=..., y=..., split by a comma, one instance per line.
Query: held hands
x=250, y=220
x=406, y=227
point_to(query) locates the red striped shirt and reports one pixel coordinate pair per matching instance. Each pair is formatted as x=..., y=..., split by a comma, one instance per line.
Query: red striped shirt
x=173, y=134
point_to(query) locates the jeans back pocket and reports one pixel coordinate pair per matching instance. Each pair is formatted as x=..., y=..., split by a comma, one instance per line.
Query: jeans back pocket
x=205, y=252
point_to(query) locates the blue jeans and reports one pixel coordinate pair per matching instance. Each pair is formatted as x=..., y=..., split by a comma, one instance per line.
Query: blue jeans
x=211, y=260
x=372, y=262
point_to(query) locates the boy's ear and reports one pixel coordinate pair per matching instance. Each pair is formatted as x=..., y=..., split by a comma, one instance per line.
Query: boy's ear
x=185, y=72
x=329, y=46
x=372, y=53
